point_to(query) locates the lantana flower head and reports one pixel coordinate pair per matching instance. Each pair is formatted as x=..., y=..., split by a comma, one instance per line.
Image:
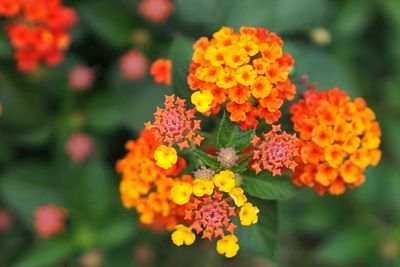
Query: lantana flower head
x=247, y=70
x=49, y=220
x=161, y=71
x=38, y=30
x=339, y=139
x=156, y=11
x=145, y=186
x=174, y=124
x=133, y=65
x=211, y=208
x=275, y=151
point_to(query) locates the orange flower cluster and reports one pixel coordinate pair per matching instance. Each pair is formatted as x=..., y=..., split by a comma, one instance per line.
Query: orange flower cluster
x=39, y=31
x=248, y=70
x=146, y=187
x=161, y=71
x=339, y=139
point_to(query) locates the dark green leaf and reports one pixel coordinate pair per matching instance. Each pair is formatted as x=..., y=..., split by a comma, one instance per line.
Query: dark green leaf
x=206, y=159
x=181, y=55
x=46, y=253
x=108, y=19
x=115, y=233
x=230, y=135
x=261, y=238
x=242, y=165
x=266, y=186
x=26, y=186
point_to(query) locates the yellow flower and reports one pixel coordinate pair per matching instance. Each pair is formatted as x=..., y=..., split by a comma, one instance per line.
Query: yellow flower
x=261, y=87
x=165, y=157
x=215, y=56
x=202, y=101
x=181, y=192
x=226, y=78
x=246, y=75
x=248, y=214
x=238, y=196
x=183, y=235
x=202, y=187
x=228, y=245
x=236, y=57
x=225, y=181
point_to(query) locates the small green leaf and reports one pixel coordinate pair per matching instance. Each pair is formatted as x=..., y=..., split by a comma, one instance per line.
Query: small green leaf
x=261, y=238
x=46, y=253
x=181, y=55
x=265, y=186
x=230, y=135
x=242, y=165
x=206, y=159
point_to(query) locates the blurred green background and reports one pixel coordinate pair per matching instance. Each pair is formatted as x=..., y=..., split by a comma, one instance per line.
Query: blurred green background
x=350, y=44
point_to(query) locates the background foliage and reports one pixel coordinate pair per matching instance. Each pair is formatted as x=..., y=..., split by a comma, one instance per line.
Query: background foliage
x=360, y=228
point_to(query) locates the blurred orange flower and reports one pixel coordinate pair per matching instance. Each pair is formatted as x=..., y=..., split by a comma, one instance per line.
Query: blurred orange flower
x=133, y=65
x=156, y=11
x=161, y=71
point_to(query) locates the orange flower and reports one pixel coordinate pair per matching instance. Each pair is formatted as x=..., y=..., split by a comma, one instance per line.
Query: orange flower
x=156, y=11
x=250, y=70
x=145, y=187
x=161, y=71
x=339, y=140
x=40, y=32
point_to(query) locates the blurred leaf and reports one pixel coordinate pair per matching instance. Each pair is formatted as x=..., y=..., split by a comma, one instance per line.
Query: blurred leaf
x=347, y=246
x=109, y=19
x=206, y=159
x=26, y=186
x=5, y=47
x=230, y=135
x=103, y=112
x=116, y=233
x=277, y=16
x=46, y=253
x=181, y=55
x=22, y=107
x=353, y=18
x=320, y=67
x=261, y=238
x=35, y=136
x=91, y=190
x=266, y=186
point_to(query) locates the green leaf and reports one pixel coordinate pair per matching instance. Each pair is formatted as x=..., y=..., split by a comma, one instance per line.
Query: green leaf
x=46, y=253
x=26, y=186
x=277, y=16
x=332, y=74
x=103, y=112
x=206, y=159
x=242, y=165
x=90, y=190
x=261, y=238
x=230, y=135
x=346, y=246
x=110, y=20
x=115, y=233
x=181, y=55
x=266, y=186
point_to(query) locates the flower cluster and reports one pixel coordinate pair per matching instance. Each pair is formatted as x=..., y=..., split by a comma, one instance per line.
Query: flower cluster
x=156, y=11
x=133, y=65
x=175, y=124
x=49, y=220
x=211, y=206
x=145, y=186
x=276, y=152
x=161, y=71
x=339, y=139
x=247, y=70
x=39, y=30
